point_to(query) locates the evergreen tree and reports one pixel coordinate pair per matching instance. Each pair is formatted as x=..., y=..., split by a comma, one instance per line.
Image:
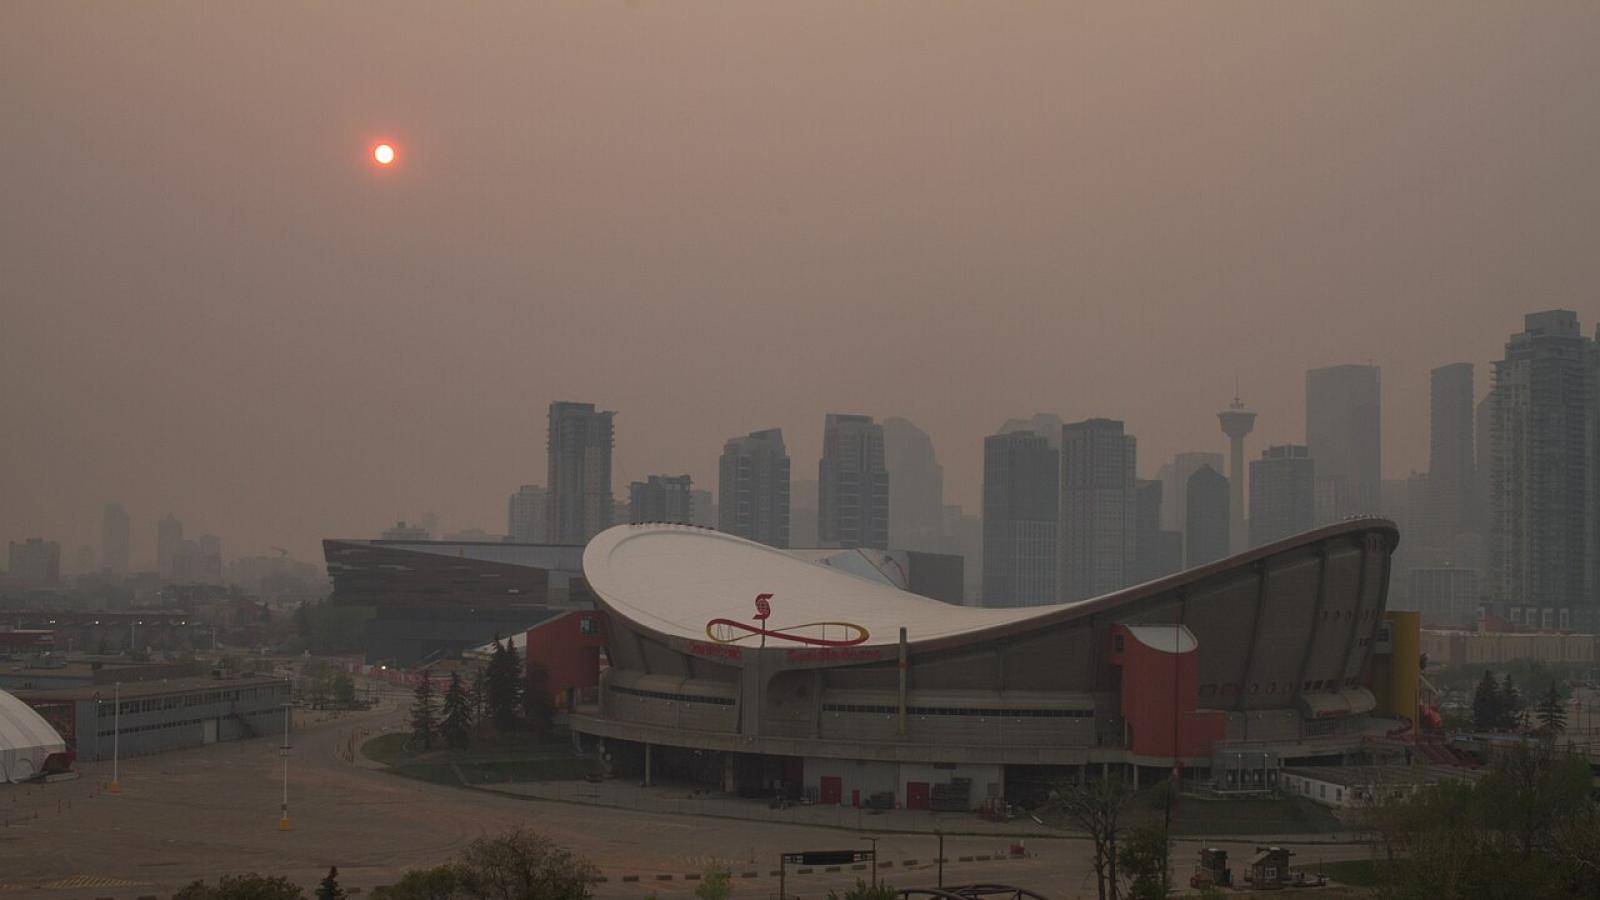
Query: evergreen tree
x=329, y=888
x=477, y=695
x=537, y=706
x=1552, y=715
x=1486, y=704
x=1511, y=711
x=456, y=726
x=503, y=684
x=423, y=724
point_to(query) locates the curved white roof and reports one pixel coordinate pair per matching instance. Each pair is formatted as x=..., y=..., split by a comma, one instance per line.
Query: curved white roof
x=26, y=739
x=676, y=578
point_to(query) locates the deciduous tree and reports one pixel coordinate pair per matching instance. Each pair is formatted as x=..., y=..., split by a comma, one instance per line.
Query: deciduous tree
x=1096, y=808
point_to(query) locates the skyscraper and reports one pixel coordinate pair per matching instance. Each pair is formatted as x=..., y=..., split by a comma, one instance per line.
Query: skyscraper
x=1098, y=508
x=661, y=498
x=1237, y=422
x=1175, y=484
x=1282, y=494
x=35, y=562
x=852, y=484
x=1156, y=552
x=916, y=488
x=1452, y=477
x=803, y=518
x=115, y=540
x=207, y=566
x=1343, y=435
x=579, y=505
x=753, y=481
x=527, y=515
x=1021, y=506
x=169, y=534
x=1543, y=471
x=1208, y=518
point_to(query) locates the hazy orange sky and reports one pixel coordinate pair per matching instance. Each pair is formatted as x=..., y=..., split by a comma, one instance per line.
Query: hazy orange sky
x=715, y=218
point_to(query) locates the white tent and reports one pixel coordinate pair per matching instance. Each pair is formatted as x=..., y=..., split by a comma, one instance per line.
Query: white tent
x=26, y=740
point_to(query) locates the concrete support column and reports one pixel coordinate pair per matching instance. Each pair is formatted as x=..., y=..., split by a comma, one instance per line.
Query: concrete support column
x=730, y=781
x=900, y=726
x=646, y=765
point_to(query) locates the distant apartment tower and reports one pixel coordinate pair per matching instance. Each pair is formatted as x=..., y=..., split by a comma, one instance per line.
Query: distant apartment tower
x=35, y=562
x=753, y=481
x=661, y=498
x=1343, y=434
x=1450, y=505
x=1543, y=471
x=579, y=504
x=169, y=535
x=852, y=484
x=1098, y=508
x=527, y=515
x=1021, y=509
x=1208, y=518
x=115, y=540
x=704, y=507
x=1282, y=493
x=916, y=488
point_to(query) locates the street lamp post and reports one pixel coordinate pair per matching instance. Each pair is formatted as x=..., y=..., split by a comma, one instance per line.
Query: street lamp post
x=116, y=737
x=874, y=842
x=283, y=819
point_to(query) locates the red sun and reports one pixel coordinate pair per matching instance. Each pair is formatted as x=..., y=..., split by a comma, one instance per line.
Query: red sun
x=383, y=154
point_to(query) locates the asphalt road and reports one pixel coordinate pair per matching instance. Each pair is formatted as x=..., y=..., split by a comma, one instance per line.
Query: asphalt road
x=211, y=811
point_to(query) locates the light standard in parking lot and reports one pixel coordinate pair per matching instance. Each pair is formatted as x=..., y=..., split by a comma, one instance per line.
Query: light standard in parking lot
x=283, y=819
x=116, y=737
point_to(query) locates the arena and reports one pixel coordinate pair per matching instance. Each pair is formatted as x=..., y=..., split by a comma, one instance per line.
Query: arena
x=844, y=690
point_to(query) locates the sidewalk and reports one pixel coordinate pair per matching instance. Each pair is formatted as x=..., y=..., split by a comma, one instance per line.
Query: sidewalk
x=685, y=800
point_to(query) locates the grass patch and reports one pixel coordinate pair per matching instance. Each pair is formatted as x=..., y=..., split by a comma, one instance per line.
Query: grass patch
x=389, y=749
x=1202, y=816
x=491, y=761
x=1366, y=873
x=569, y=769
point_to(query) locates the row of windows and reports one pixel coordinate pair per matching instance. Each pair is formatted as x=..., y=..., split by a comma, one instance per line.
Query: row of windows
x=1208, y=691
x=158, y=726
x=990, y=713
x=198, y=698
x=679, y=698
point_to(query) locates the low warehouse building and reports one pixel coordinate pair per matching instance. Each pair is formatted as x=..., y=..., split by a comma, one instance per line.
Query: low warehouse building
x=157, y=716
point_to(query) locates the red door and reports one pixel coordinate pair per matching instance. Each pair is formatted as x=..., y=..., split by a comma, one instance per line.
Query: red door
x=855, y=797
x=832, y=791
x=917, y=795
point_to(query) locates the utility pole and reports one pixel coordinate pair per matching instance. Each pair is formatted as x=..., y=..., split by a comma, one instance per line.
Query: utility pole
x=874, y=842
x=283, y=819
x=116, y=737
x=940, y=859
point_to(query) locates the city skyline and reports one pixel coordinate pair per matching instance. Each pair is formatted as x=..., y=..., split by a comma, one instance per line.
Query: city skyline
x=310, y=350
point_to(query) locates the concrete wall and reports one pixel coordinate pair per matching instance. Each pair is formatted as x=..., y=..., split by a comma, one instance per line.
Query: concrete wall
x=856, y=775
